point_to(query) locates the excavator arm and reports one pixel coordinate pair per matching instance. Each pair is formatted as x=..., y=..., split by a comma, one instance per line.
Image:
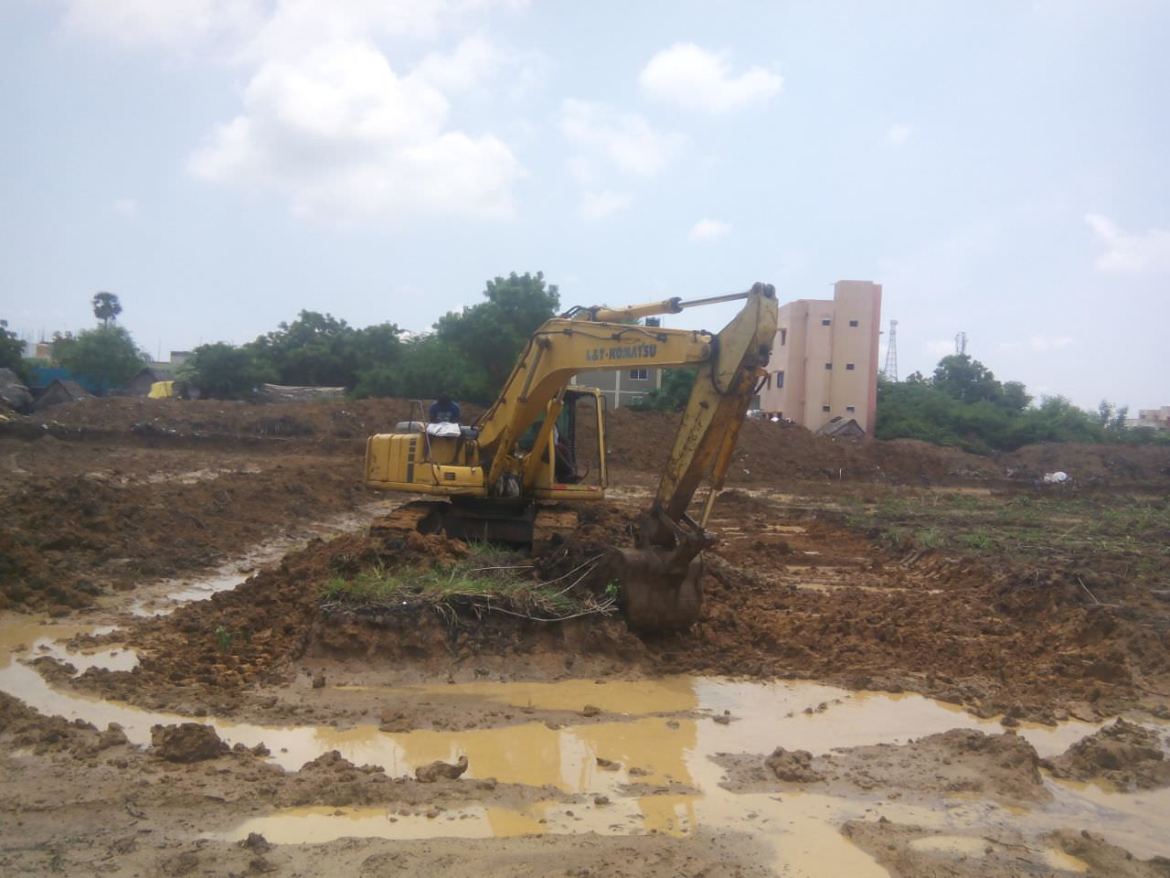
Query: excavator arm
x=557, y=351
x=565, y=346
x=660, y=576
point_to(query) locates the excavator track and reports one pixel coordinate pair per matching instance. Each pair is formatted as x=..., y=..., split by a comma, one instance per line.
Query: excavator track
x=418, y=516
x=552, y=524
x=528, y=525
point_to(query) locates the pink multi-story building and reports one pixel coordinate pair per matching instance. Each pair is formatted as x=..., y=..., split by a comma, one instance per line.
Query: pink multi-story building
x=825, y=358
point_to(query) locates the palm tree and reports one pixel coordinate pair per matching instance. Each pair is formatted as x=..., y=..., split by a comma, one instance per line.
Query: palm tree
x=106, y=307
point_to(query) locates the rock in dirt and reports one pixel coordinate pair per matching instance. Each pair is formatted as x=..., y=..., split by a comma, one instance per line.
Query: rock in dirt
x=439, y=770
x=1124, y=754
x=256, y=842
x=186, y=742
x=590, y=710
x=113, y=736
x=793, y=766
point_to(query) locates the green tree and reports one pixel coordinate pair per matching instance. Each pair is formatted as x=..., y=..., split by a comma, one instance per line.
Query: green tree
x=225, y=371
x=491, y=334
x=674, y=393
x=965, y=379
x=1015, y=396
x=1056, y=420
x=107, y=356
x=106, y=307
x=11, y=350
x=426, y=367
x=319, y=349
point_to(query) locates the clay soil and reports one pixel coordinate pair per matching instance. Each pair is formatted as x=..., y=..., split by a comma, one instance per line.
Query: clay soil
x=893, y=566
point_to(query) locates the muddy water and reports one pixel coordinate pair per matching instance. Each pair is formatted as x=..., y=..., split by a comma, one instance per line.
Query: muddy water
x=661, y=734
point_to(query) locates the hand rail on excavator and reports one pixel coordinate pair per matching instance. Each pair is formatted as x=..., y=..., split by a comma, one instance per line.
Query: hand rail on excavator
x=674, y=305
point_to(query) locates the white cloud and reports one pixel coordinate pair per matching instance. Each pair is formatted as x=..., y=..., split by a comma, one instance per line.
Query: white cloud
x=1045, y=343
x=706, y=230
x=173, y=24
x=126, y=207
x=264, y=29
x=325, y=122
x=1040, y=344
x=599, y=205
x=344, y=138
x=625, y=139
x=472, y=62
x=940, y=347
x=695, y=79
x=898, y=134
x=1130, y=253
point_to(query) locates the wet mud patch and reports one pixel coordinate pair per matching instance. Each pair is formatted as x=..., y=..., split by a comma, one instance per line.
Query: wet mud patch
x=1123, y=755
x=1004, y=768
x=911, y=851
x=206, y=655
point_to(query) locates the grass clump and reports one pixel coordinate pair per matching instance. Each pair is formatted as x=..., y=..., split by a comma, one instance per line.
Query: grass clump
x=488, y=580
x=1126, y=532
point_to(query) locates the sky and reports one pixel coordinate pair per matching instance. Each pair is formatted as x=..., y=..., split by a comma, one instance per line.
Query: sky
x=1001, y=168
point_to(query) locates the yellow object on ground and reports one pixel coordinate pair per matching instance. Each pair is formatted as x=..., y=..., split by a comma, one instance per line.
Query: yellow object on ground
x=162, y=390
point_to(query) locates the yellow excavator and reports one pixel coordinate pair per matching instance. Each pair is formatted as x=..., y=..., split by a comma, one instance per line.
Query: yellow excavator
x=515, y=474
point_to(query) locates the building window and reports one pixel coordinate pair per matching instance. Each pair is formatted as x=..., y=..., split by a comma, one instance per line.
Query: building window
x=853, y=323
x=850, y=408
x=826, y=408
x=825, y=321
x=779, y=380
x=828, y=365
x=848, y=367
x=639, y=374
x=783, y=336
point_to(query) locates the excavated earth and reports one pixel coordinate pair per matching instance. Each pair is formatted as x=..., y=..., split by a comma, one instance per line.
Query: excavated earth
x=106, y=502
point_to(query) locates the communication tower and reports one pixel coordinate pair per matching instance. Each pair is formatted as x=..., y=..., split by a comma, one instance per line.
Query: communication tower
x=961, y=343
x=890, y=370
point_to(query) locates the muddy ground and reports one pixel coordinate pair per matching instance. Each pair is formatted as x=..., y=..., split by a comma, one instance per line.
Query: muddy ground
x=892, y=567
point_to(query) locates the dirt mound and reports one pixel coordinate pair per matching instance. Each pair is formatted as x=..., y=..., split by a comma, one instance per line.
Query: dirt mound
x=23, y=727
x=1002, y=767
x=1108, y=859
x=163, y=419
x=793, y=766
x=1031, y=646
x=440, y=770
x=1138, y=465
x=186, y=742
x=1125, y=755
x=205, y=654
x=78, y=521
x=777, y=453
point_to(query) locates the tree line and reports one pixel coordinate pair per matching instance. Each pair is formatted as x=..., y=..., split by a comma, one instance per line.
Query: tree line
x=963, y=404
x=468, y=354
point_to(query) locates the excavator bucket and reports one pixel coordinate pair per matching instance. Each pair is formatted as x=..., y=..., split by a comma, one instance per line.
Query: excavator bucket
x=658, y=594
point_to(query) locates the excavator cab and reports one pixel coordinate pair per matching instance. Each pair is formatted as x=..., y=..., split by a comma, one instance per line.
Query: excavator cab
x=573, y=459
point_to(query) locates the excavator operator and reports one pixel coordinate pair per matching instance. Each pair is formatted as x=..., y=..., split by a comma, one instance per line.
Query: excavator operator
x=444, y=410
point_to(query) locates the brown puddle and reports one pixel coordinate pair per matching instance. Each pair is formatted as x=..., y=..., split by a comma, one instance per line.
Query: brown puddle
x=662, y=729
